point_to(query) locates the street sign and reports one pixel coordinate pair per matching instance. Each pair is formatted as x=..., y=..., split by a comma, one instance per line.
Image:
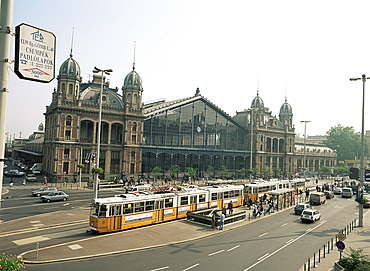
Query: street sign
x=340, y=245
x=367, y=175
x=341, y=237
x=34, y=53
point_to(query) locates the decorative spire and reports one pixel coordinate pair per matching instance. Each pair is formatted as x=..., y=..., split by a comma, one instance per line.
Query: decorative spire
x=73, y=30
x=258, y=84
x=286, y=90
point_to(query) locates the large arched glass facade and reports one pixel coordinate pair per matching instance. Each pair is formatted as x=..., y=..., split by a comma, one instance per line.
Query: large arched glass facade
x=195, y=135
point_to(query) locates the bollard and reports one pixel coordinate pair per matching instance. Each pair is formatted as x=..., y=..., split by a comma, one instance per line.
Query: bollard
x=249, y=216
x=37, y=250
x=309, y=265
x=319, y=254
x=304, y=267
x=328, y=246
x=324, y=251
x=314, y=260
x=332, y=243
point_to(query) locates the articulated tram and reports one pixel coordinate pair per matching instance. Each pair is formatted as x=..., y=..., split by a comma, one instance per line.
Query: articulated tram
x=130, y=211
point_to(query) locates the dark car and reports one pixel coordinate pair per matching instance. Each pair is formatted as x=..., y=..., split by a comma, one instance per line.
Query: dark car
x=329, y=194
x=55, y=196
x=43, y=191
x=14, y=173
x=300, y=207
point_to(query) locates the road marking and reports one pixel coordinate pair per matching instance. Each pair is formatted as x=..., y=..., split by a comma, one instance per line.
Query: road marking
x=284, y=224
x=230, y=249
x=214, y=253
x=284, y=246
x=75, y=247
x=263, y=234
x=308, y=230
x=191, y=267
x=65, y=204
x=289, y=241
x=263, y=256
x=35, y=221
x=30, y=240
x=160, y=268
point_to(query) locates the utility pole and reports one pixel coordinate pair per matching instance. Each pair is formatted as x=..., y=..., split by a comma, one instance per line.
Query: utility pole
x=6, y=26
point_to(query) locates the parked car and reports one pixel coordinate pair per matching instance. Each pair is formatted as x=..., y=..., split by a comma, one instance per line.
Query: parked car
x=347, y=192
x=338, y=190
x=367, y=204
x=31, y=178
x=329, y=194
x=43, y=191
x=310, y=215
x=298, y=209
x=14, y=173
x=55, y=196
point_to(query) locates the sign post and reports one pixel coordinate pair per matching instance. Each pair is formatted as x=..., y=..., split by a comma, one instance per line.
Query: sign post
x=34, y=54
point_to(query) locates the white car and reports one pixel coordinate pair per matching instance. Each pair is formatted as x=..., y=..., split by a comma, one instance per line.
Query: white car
x=310, y=215
x=338, y=190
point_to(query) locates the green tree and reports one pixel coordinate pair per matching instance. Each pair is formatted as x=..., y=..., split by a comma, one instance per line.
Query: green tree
x=265, y=172
x=339, y=171
x=175, y=169
x=240, y=173
x=324, y=170
x=210, y=171
x=345, y=141
x=192, y=172
x=277, y=172
x=224, y=172
x=156, y=171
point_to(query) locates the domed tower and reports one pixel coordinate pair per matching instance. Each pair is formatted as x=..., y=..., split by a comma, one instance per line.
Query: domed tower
x=132, y=91
x=286, y=115
x=69, y=79
x=257, y=110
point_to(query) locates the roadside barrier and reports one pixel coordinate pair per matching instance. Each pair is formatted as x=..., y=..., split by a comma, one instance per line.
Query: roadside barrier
x=327, y=248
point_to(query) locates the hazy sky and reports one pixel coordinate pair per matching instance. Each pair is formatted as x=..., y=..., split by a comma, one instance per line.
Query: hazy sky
x=305, y=50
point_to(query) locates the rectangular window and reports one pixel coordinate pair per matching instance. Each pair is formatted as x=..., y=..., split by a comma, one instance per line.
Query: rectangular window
x=132, y=168
x=68, y=135
x=168, y=203
x=128, y=208
x=133, y=139
x=65, y=167
x=149, y=205
x=139, y=207
x=133, y=155
x=214, y=196
x=184, y=201
x=202, y=198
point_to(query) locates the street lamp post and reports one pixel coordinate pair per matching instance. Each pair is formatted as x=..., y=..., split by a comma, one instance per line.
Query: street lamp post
x=361, y=186
x=251, y=158
x=108, y=71
x=304, y=148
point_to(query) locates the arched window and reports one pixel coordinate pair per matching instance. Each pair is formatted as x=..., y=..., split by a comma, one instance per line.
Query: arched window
x=68, y=120
x=63, y=87
x=70, y=89
x=134, y=126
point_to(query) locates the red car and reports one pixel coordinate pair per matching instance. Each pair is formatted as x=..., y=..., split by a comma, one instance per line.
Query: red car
x=329, y=194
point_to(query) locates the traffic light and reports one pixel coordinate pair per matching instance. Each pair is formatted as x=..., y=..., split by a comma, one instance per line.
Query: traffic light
x=353, y=173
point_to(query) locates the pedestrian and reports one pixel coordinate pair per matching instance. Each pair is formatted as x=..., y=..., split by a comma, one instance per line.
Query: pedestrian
x=307, y=194
x=224, y=210
x=11, y=182
x=45, y=181
x=213, y=222
x=222, y=220
x=269, y=208
x=75, y=179
x=24, y=182
x=230, y=207
x=244, y=201
x=254, y=210
x=250, y=202
x=259, y=210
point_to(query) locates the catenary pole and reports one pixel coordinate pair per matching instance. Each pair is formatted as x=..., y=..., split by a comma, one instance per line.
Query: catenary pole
x=6, y=24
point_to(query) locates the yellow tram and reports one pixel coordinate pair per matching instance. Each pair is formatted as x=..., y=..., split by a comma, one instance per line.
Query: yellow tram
x=257, y=189
x=130, y=211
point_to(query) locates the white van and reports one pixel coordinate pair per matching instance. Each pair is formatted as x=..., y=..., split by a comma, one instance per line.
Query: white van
x=347, y=192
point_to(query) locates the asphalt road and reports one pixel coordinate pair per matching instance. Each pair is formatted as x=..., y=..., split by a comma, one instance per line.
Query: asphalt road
x=278, y=242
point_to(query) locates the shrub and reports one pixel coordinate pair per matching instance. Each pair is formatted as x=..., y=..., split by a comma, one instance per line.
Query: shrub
x=356, y=261
x=10, y=263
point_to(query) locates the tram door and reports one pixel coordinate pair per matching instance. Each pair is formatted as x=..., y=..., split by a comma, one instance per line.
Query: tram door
x=193, y=203
x=159, y=206
x=115, y=213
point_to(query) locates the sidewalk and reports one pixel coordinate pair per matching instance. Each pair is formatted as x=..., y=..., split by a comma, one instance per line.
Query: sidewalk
x=358, y=238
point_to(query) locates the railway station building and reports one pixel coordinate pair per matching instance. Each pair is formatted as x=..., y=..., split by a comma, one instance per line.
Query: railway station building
x=189, y=132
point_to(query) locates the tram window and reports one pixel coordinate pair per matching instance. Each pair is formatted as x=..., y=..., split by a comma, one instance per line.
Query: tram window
x=95, y=209
x=237, y=193
x=214, y=196
x=128, y=208
x=102, y=211
x=193, y=199
x=168, y=203
x=226, y=195
x=184, y=201
x=202, y=198
x=231, y=194
x=115, y=210
x=149, y=205
x=139, y=207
